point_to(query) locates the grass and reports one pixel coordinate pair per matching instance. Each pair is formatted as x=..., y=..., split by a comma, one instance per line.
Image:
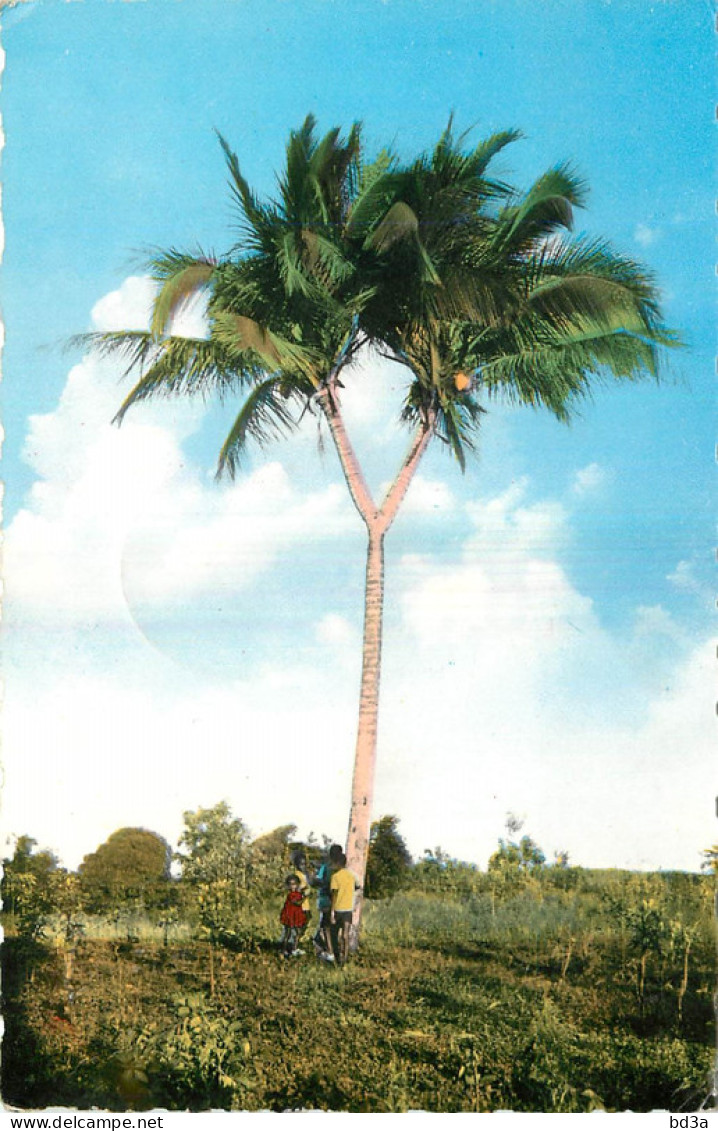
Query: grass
x=451, y=1005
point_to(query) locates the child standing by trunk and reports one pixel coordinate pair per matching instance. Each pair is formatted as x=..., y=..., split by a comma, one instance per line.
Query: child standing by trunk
x=292, y=918
x=299, y=863
x=342, y=885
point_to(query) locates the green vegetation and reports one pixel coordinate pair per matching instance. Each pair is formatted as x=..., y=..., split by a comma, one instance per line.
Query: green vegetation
x=389, y=861
x=131, y=864
x=529, y=986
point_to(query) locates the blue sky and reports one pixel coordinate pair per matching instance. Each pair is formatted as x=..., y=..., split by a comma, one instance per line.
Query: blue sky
x=553, y=606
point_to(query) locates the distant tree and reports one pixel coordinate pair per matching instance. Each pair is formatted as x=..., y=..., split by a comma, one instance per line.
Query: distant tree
x=526, y=856
x=514, y=824
x=25, y=886
x=389, y=860
x=132, y=865
x=561, y=875
x=270, y=856
x=215, y=856
x=438, y=871
x=523, y=856
x=277, y=840
x=29, y=904
x=215, y=845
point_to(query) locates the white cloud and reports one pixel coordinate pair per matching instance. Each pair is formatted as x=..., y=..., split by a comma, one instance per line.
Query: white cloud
x=337, y=632
x=684, y=578
x=655, y=621
x=127, y=308
x=646, y=235
x=139, y=744
x=373, y=390
x=589, y=480
x=64, y=547
x=200, y=539
x=491, y=710
x=119, y=514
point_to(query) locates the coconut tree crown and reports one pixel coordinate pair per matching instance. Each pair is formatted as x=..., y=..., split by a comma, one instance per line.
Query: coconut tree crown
x=477, y=289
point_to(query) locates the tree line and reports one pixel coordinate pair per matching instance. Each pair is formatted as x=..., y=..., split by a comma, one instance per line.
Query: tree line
x=219, y=870
x=218, y=867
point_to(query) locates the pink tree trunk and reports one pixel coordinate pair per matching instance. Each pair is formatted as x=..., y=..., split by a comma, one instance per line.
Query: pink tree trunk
x=377, y=521
x=366, y=744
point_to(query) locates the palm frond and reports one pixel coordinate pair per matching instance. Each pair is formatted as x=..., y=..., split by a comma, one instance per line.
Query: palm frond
x=451, y=426
x=239, y=334
x=239, y=186
x=381, y=187
x=289, y=261
x=134, y=347
x=324, y=260
x=176, y=291
x=438, y=261
x=490, y=147
x=187, y=367
x=546, y=207
x=557, y=372
x=399, y=223
x=263, y=416
x=596, y=259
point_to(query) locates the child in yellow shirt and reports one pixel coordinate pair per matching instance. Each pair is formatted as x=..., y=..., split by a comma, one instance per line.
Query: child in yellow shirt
x=342, y=887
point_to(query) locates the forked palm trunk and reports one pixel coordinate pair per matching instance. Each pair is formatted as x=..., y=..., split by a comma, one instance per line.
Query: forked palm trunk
x=377, y=521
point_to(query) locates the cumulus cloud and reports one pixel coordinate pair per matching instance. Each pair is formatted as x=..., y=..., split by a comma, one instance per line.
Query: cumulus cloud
x=507, y=693
x=120, y=514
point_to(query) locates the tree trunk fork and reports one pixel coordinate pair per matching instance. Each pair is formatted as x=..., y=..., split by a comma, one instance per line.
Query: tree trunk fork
x=377, y=522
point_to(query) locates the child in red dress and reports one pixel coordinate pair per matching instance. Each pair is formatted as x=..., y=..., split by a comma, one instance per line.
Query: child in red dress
x=292, y=917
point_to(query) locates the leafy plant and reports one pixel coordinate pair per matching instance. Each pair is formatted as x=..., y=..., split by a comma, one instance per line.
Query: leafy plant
x=201, y=1060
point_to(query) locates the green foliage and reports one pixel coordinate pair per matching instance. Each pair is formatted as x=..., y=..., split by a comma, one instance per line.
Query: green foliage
x=132, y=864
x=197, y=1061
x=69, y=902
x=25, y=887
x=439, y=872
x=216, y=870
x=270, y=859
x=526, y=856
x=389, y=860
x=29, y=902
x=214, y=846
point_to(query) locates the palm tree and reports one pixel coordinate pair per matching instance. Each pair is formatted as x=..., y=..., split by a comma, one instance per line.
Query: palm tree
x=475, y=289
